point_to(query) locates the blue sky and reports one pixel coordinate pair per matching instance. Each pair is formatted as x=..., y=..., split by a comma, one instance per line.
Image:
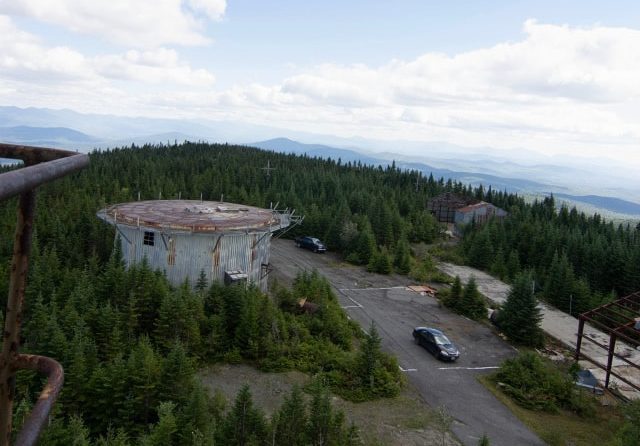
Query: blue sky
x=557, y=77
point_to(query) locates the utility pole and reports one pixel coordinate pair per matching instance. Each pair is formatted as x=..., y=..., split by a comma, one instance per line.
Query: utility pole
x=570, y=304
x=268, y=169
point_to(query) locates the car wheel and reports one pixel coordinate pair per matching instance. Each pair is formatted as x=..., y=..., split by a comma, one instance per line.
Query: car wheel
x=416, y=340
x=297, y=245
x=315, y=249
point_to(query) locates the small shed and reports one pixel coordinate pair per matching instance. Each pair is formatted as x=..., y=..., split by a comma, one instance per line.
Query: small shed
x=479, y=212
x=444, y=206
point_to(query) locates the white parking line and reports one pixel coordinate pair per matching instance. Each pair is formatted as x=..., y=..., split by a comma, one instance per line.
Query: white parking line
x=407, y=370
x=357, y=304
x=468, y=368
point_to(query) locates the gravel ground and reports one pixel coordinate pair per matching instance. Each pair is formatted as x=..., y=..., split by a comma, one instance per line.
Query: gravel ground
x=401, y=421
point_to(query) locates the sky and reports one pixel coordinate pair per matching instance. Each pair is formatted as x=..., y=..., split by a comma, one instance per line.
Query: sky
x=556, y=77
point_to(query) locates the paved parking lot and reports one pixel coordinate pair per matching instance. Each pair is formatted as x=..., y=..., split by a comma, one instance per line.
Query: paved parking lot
x=396, y=311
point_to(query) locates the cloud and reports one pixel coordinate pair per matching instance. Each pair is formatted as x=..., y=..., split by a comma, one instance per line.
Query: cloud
x=139, y=23
x=23, y=57
x=151, y=67
x=557, y=88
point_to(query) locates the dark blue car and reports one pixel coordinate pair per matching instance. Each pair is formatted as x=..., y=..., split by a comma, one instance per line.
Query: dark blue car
x=436, y=343
x=310, y=243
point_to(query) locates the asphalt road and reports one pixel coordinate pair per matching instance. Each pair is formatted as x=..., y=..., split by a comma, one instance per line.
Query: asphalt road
x=396, y=311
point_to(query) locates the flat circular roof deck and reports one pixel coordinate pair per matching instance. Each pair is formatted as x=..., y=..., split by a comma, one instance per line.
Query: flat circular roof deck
x=190, y=215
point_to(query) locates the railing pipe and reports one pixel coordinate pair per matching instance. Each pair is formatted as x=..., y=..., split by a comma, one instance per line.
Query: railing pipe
x=41, y=166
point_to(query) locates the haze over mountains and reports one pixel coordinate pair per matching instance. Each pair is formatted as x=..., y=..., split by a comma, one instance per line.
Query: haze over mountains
x=593, y=184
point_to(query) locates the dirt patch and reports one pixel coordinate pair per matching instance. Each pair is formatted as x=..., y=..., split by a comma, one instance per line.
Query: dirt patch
x=402, y=421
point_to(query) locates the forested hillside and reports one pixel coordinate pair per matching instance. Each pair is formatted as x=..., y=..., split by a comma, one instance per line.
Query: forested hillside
x=130, y=343
x=578, y=261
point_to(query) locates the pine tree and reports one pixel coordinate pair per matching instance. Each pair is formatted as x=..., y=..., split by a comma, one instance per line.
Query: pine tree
x=513, y=265
x=560, y=282
x=519, y=318
x=320, y=416
x=163, y=433
x=73, y=433
x=369, y=359
x=244, y=424
x=402, y=257
x=453, y=300
x=472, y=304
x=145, y=370
x=116, y=437
x=480, y=253
x=201, y=284
x=365, y=245
x=176, y=379
x=498, y=267
x=198, y=419
x=380, y=262
x=291, y=422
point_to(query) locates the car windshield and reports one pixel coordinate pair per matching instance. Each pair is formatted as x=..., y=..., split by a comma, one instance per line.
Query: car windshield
x=442, y=340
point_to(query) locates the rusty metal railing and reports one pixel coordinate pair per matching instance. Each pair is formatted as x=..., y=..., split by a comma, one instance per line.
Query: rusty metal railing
x=41, y=165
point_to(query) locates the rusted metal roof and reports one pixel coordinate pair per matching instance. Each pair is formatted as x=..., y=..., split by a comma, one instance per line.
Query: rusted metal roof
x=472, y=207
x=190, y=215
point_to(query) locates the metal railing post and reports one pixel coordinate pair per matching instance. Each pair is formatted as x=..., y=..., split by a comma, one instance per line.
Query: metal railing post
x=41, y=166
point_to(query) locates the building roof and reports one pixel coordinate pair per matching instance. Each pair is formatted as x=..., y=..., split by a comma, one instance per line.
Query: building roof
x=475, y=206
x=449, y=199
x=191, y=215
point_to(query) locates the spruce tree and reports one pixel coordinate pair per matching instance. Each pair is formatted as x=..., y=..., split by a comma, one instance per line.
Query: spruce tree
x=201, y=284
x=560, y=282
x=520, y=316
x=453, y=299
x=245, y=424
x=402, y=257
x=320, y=416
x=498, y=267
x=472, y=304
x=369, y=358
x=513, y=265
x=163, y=433
x=291, y=422
x=480, y=252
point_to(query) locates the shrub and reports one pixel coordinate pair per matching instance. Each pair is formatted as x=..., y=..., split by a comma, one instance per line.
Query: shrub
x=537, y=384
x=629, y=433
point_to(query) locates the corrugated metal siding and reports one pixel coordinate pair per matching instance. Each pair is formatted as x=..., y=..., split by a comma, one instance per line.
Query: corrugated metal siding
x=200, y=252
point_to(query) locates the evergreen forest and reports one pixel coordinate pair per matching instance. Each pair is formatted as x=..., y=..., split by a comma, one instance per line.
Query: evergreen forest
x=131, y=343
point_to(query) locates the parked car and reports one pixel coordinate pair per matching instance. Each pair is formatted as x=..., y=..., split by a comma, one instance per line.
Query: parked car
x=311, y=243
x=436, y=342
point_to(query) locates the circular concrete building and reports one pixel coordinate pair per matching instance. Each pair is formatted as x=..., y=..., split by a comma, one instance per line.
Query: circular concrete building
x=229, y=242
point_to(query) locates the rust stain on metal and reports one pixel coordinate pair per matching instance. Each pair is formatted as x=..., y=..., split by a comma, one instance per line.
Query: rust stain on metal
x=216, y=252
x=171, y=257
x=40, y=413
x=42, y=165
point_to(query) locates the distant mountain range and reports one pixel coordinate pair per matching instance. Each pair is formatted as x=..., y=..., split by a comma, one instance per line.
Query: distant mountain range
x=512, y=185
x=346, y=155
x=581, y=182
x=43, y=135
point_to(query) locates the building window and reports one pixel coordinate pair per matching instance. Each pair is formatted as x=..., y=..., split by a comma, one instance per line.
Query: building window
x=149, y=238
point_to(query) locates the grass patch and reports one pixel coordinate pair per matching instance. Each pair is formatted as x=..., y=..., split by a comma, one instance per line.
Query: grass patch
x=563, y=428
